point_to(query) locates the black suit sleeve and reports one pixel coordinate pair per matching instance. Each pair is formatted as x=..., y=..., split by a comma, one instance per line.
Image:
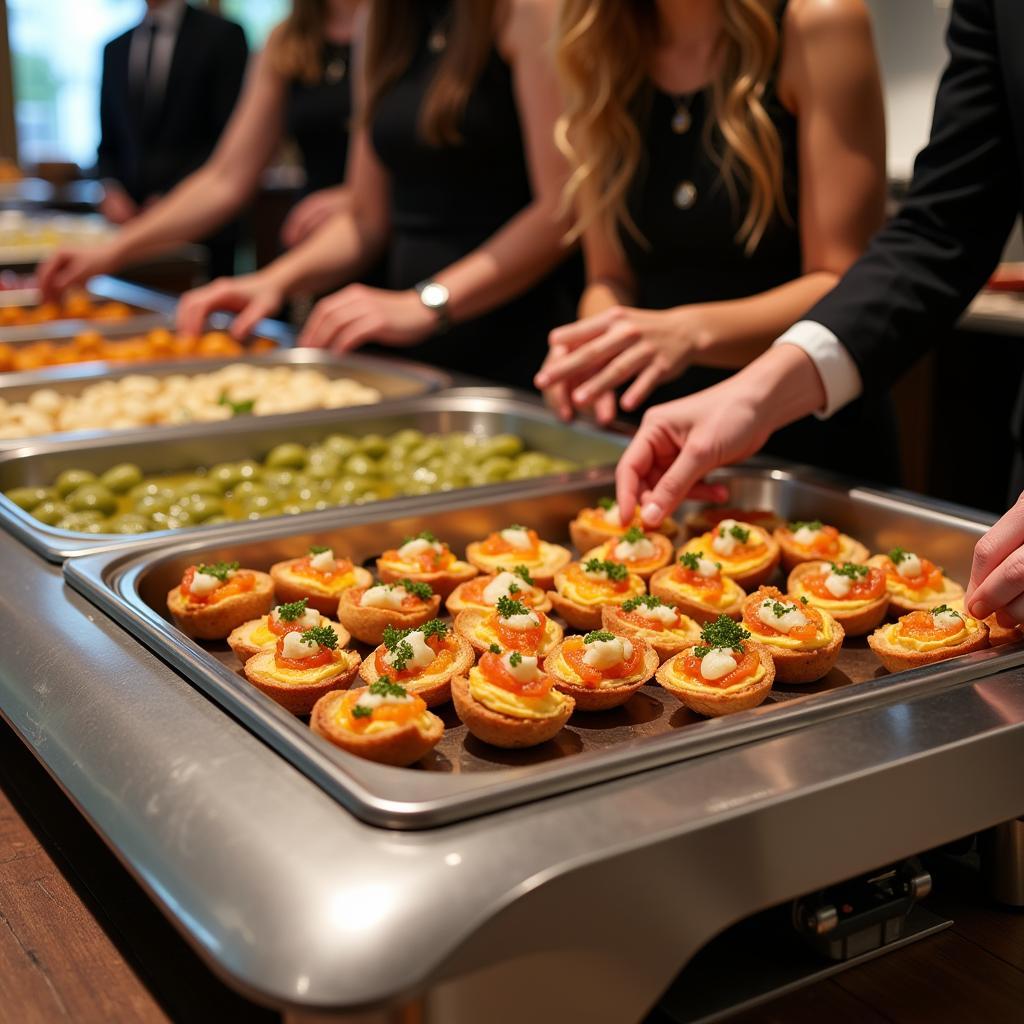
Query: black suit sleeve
x=232, y=55
x=923, y=269
x=107, y=156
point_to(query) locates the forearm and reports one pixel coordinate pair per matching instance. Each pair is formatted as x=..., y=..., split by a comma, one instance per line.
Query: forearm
x=602, y=294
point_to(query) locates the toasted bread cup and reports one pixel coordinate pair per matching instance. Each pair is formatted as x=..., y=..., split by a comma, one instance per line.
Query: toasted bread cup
x=590, y=529
x=500, y=730
x=705, y=519
x=292, y=693
x=475, y=626
x=644, y=568
x=902, y=599
x=321, y=594
x=435, y=688
x=551, y=558
x=400, y=747
x=897, y=658
x=246, y=645
x=804, y=662
x=998, y=634
x=442, y=582
x=367, y=624
x=470, y=595
x=687, y=600
x=793, y=553
x=214, y=620
x=749, y=573
x=708, y=700
x=665, y=642
x=587, y=616
x=858, y=618
x=603, y=697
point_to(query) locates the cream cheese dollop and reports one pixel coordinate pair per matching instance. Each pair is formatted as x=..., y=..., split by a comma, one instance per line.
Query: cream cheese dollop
x=716, y=664
x=601, y=654
x=417, y=546
x=628, y=550
x=527, y=620
x=792, y=618
x=516, y=538
x=307, y=620
x=323, y=561
x=371, y=701
x=422, y=652
x=707, y=568
x=525, y=670
x=806, y=535
x=838, y=585
x=946, y=620
x=725, y=543
x=383, y=596
x=204, y=583
x=612, y=516
x=909, y=566
x=295, y=647
x=659, y=613
x=501, y=586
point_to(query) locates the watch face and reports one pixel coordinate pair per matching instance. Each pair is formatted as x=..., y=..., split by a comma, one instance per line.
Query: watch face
x=434, y=295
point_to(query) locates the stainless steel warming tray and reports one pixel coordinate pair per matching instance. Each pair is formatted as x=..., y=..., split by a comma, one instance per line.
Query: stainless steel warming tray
x=483, y=411
x=465, y=778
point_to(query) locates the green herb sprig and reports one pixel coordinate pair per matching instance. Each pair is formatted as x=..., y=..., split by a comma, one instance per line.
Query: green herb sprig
x=724, y=633
x=421, y=590
x=851, y=570
x=643, y=600
x=598, y=635
x=524, y=574
x=322, y=635
x=293, y=610
x=220, y=570
x=615, y=571
x=740, y=533
x=810, y=524
x=507, y=607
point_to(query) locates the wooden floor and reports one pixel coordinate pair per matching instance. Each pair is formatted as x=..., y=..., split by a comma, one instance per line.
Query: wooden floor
x=80, y=941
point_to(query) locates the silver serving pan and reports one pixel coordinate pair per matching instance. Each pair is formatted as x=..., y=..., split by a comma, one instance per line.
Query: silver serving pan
x=395, y=379
x=464, y=778
x=486, y=412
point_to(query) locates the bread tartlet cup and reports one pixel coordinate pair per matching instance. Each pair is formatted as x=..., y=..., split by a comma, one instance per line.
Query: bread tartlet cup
x=486, y=629
x=367, y=622
x=263, y=633
x=319, y=577
x=1000, y=635
x=912, y=591
x=600, y=689
x=494, y=708
x=425, y=559
x=815, y=541
x=227, y=597
x=373, y=737
x=804, y=641
x=644, y=618
x=704, y=520
x=452, y=656
x=643, y=554
x=582, y=589
x=517, y=545
x=860, y=611
x=517, y=583
x=923, y=638
x=695, y=585
x=748, y=554
x=593, y=526
x=298, y=683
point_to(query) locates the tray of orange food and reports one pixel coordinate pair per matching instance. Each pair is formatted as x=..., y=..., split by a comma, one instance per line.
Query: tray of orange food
x=464, y=654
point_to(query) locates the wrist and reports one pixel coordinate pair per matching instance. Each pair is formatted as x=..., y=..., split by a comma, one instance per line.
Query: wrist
x=782, y=386
x=697, y=326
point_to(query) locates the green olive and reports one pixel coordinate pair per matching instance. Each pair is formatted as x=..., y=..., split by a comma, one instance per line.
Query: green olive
x=218, y=520
x=92, y=497
x=182, y=512
x=225, y=475
x=128, y=523
x=425, y=451
x=324, y=465
x=203, y=506
x=504, y=444
x=257, y=502
x=286, y=456
x=407, y=438
x=29, y=497
x=122, y=477
x=51, y=512
x=291, y=508
x=497, y=467
x=249, y=469
x=279, y=479
x=71, y=479
x=197, y=485
x=150, y=503
x=80, y=522
x=361, y=466
x=340, y=444
x=145, y=488
x=374, y=445
x=247, y=488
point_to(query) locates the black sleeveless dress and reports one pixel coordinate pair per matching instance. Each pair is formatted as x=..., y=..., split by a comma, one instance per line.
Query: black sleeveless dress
x=448, y=200
x=683, y=209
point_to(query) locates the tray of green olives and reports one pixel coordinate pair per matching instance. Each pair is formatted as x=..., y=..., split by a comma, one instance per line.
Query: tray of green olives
x=93, y=494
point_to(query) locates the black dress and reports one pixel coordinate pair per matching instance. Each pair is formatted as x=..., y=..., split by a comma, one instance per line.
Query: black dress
x=448, y=200
x=683, y=209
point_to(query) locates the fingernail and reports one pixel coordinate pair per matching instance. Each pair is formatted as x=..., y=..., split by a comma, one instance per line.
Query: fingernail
x=979, y=610
x=541, y=380
x=580, y=395
x=652, y=513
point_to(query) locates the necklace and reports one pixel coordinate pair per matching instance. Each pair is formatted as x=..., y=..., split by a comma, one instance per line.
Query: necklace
x=335, y=70
x=682, y=116
x=437, y=40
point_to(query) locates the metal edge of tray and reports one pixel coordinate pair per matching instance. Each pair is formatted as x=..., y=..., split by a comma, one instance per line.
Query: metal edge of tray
x=65, y=330
x=57, y=545
x=392, y=798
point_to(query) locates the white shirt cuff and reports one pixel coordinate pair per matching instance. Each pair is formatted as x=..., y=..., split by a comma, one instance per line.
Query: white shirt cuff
x=839, y=374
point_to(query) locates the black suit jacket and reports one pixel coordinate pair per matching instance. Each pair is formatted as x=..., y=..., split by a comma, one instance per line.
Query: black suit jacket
x=202, y=86
x=923, y=269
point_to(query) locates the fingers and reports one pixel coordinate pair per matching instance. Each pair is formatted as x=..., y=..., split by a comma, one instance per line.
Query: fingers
x=356, y=333
x=993, y=549
x=557, y=398
x=633, y=470
x=640, y=390
x=605, y=408
x=48, y=273
x=573, y=335
x=328, y=319
x=1001, y=588
x=193, y=309
x=586, y=358
x=243, y=324
x=675, y=484
x=620, y=369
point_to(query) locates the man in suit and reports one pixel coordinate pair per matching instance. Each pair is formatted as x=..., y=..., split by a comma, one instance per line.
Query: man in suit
x=917, y=277
x=168, y=88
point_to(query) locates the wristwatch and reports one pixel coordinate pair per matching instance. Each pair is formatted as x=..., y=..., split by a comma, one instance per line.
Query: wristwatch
x=435, y=297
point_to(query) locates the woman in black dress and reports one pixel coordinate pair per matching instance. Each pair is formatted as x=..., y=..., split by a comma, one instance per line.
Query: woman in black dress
x=734, y=172
x=299, y=88
x=454, y=173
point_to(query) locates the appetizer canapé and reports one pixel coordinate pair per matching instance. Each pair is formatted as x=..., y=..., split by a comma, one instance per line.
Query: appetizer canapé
x=656, y=622
x=424, y=660
x=593, y=526
x=722, y=674
x=512, y=626
x=921, y=638
x=212, y=600
x=803, y=641
x=696, y=585
x=641, y=553
x=601, y=670
x=813, y=541
x=428, y=560
x=706, y=519
x=318, y=576
x=484, y=591
x=746, y=553
x=263, y=633
x=302, y=667
x=381, y=722
x=914, y=583
x=518, y=545
x=582, y=589
x=854, y=595
x=366, y=611
x=509, y=701
x=1001, y=631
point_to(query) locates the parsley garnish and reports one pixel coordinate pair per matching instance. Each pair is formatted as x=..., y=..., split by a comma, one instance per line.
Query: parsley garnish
x=691, y=559
x=606, y=503
x=803, y=600
x=615, y=571
x=633, y=535
x=420, y=590
x=737, y=531
x=293, y=610
x=237, y=408
x=220, y=570
x=435, y=627
x=515, y=526
x=358, y=711
x=322, y=635
x=382, y=688
x=800, y=524
x=422, y=535
x=723, y=632
x=524, y=574
x=515, y=658
x=647, y=600
x=944, y=609
x=851, y=569
x=494, y=649
x=779, y=609
x=898, y=555
x=318, y=549
x=598, y=634
x=507, y=607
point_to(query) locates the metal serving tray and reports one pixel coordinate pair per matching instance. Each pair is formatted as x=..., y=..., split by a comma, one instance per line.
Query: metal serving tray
x=464, y=777
x=485, y=411
x=395, y=379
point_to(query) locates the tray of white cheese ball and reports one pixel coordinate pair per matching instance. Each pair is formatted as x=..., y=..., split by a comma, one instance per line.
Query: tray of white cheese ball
x=456, y=656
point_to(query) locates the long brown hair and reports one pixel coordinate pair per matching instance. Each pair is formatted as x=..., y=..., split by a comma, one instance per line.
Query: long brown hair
x=603, y=49
x=296, y=48
x=394, y=32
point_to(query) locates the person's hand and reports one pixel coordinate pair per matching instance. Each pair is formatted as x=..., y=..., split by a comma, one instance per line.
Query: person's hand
x=359, y=314
x=116, y=205
x=73, y=265
x=310, y=213
x=588, y=360
x=251, y=296
x=997, y=575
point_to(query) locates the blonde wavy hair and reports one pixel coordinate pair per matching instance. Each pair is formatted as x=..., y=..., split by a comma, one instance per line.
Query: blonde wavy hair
x=295, y=49
x=602, y=56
